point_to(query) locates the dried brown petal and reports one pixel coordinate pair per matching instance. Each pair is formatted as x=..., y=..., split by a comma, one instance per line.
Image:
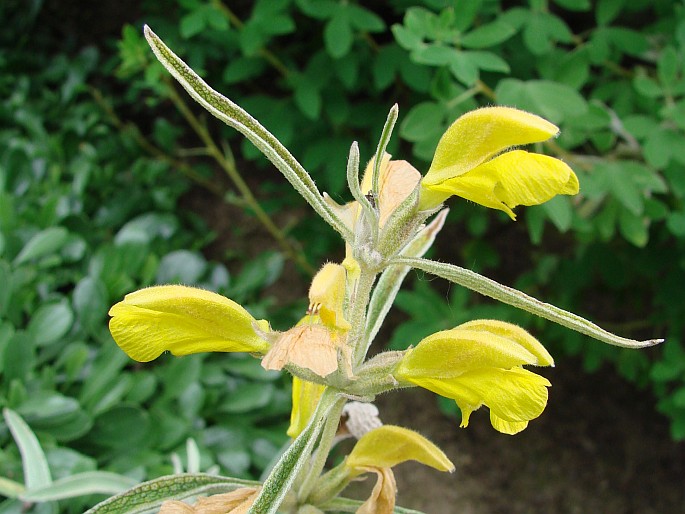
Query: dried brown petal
x=313, y=347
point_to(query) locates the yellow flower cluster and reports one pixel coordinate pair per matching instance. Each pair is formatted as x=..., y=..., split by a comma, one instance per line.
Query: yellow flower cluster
x=477, y=363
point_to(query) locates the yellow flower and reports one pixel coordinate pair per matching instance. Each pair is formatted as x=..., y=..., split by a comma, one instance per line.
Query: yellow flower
x=183, y=320
x=472, y=161
x=382, y=448
x=480, y=363
x=327, y=295
x=315, y=341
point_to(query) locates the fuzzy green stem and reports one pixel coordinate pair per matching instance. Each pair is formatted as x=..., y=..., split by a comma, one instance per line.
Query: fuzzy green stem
x=360, y=303
x=520, y=300
x=323, y=449
x=288, y=467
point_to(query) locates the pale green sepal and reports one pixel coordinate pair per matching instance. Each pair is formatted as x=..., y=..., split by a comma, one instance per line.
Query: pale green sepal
x=347, y=505
x=516, y=298
x=281, y=478
x=236, y=117
x=80, y=484
x=147, y=497
x=356, y=190
x=380, y=150
x=35, y=464
x=402, y=224
x=391, y=279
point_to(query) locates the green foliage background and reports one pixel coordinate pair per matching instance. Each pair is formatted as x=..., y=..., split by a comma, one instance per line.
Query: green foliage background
x=97, y=157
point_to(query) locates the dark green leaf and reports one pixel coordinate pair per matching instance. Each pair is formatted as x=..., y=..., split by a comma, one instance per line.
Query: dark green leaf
x=91, y=303
x=551, y=100
x=122, y=428
x=50, y=322
x=574, y=5
x=488, y=35
x=338, y=36
x=19, y=357
x=247, y=397
x=608, y=10
x=45, y=242
x=181, y=267
x=668, y=67
x=422, y=121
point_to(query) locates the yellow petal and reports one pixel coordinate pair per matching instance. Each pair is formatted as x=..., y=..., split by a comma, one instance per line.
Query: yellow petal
x=511, y=179
x=327, y=295
x=514, y=395
x=313, y=347
x=450, y=353
x=389, y=445
x=182, y=320
x=382, y=499
x=514, y=333
x=479, y=135
x=306, y=396
x=507, y=427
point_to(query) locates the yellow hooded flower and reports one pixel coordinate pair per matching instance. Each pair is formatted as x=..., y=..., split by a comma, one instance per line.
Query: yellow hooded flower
x=472, y=161
x=314, y=342
x=382, y=448
x=183, y=320
x=480, y=363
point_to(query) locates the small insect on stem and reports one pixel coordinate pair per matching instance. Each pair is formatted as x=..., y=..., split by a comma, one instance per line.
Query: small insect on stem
x=371, y=197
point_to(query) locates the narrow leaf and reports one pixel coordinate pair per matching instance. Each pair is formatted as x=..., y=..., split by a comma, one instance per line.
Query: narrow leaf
x=148, y=496
x=353, y=180
x=36, y=470
x=80, y=484
x=382, y=145
x=510, y=296
x=238, y=118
